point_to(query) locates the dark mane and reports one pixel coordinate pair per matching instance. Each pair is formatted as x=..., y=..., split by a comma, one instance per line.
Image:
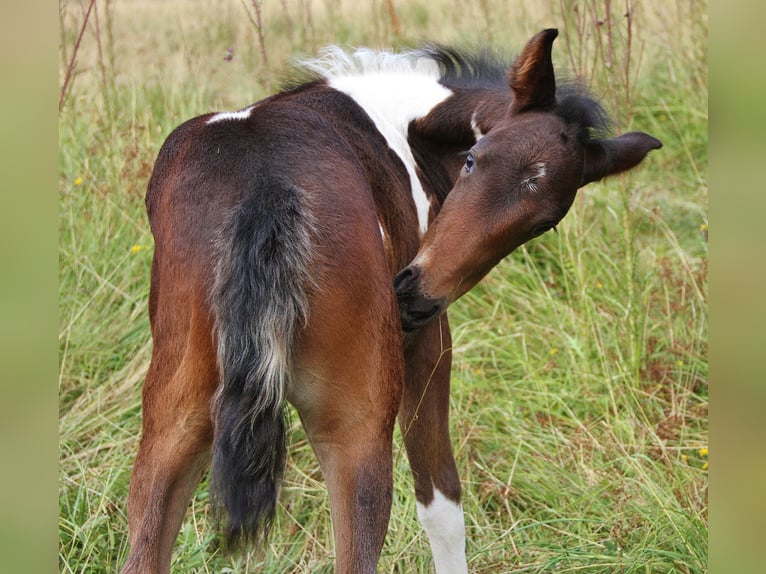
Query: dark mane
x=576, y=106
x=480, y=68
x=485, y=69
x=467, y=69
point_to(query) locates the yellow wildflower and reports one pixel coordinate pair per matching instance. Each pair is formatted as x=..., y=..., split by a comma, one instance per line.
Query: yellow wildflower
x=703, y=226
x=704, y=466
x=136, y=248
x=553, y=351
x=78, y=181
x=703, y=451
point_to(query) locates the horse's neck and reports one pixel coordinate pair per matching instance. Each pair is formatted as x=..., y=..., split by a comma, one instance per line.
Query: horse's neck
x=441, y=139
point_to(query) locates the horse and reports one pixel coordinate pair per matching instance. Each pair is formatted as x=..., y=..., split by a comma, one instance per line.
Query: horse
x=306, y=250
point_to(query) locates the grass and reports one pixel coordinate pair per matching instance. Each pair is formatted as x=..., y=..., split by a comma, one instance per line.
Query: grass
x=580, y=379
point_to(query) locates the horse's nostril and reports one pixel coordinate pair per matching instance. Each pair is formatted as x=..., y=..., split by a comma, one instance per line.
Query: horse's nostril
x=405, y=278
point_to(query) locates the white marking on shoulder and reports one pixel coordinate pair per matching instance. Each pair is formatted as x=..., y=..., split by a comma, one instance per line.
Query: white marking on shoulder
x=382, y=231
x=443, y=522
x=393, y=89
x=242, y=114
x=475, y=127
x=387, y=248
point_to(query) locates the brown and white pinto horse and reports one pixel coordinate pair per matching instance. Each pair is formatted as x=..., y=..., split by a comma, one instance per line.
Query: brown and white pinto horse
x=279, y=230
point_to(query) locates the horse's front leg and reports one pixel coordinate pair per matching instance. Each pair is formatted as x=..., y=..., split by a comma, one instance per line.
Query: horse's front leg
x=424, y=422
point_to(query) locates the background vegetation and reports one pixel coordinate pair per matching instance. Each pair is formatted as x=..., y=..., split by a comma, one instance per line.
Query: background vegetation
x=580, y=394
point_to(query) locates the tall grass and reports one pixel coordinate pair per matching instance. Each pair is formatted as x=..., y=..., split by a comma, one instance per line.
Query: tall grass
x=579, y=405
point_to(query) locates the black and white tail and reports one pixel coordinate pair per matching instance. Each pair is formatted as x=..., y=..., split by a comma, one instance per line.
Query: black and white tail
x=260, y=299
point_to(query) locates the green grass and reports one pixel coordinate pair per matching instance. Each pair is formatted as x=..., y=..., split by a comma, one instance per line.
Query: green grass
x=580, y=379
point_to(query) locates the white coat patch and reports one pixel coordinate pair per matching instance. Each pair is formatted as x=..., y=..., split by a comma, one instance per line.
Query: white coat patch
x=242, y=114
x=393, y=89
x=532, y=182
x=475, y=128
x=443, y=522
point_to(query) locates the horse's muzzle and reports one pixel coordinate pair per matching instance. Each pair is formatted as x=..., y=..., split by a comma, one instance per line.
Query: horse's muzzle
x=415, y=309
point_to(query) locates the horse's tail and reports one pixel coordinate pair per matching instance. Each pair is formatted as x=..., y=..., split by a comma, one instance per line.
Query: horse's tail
x=259, y=299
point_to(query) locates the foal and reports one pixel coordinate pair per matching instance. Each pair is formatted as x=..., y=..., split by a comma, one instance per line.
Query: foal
x=278, y=232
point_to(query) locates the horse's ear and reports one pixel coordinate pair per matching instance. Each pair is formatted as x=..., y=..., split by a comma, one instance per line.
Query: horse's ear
x=611, y=156
x=531, y=77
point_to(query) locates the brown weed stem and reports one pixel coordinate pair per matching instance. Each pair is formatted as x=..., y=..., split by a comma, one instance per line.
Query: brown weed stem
x=262, y=43
x=70, y=67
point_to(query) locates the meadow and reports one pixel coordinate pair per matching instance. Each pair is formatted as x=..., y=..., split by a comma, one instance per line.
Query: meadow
x=579, y=408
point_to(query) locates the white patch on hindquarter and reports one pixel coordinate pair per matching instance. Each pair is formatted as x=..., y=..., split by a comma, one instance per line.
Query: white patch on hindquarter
x=443, y=522
x=242, y=114
x=393, y=89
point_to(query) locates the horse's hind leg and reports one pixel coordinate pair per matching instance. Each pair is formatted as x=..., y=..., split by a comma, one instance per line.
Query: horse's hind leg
x=177, y=432
x=347, y=393
x=424, y=423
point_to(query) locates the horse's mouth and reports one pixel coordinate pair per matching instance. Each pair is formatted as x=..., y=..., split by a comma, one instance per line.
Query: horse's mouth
x=413, y=319
x=415, y=309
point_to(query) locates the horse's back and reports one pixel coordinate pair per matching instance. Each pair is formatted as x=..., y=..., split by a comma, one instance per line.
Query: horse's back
x=316, y=140
x=309, y=158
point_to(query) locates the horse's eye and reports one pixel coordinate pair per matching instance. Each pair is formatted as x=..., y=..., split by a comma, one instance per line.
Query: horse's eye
x=469, y=163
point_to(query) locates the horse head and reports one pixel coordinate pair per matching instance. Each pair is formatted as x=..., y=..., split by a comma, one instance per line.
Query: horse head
x=517, y=182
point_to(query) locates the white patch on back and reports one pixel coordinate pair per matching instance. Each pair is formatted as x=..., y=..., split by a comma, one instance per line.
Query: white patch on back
x=242, y=114
x=443, y=522
x=393, y=89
